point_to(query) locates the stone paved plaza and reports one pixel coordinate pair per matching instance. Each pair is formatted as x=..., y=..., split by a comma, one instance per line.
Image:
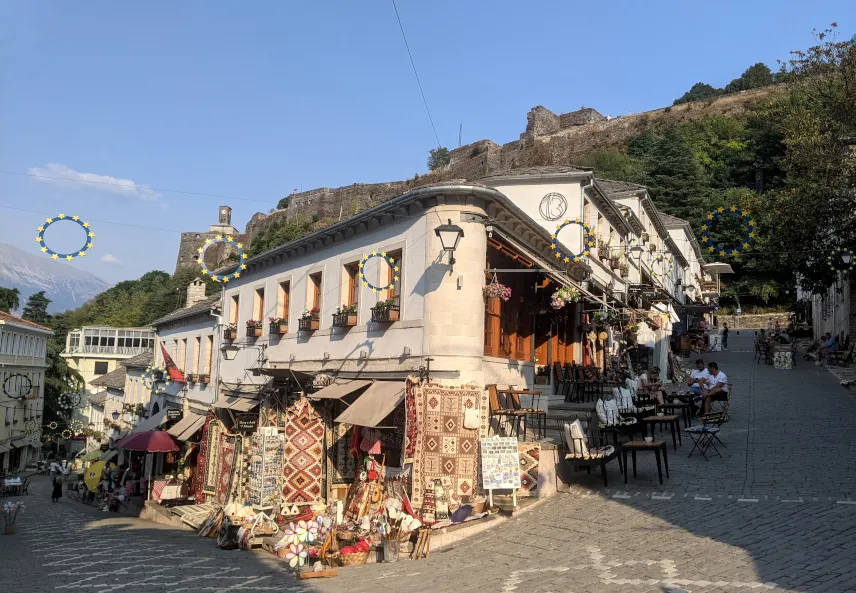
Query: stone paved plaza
x=776, y=513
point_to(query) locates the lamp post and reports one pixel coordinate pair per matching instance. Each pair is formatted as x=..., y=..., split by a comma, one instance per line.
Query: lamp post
x=450, y=235
x=847, y=258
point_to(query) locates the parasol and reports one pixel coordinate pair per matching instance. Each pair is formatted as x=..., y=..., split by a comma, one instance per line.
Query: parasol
x=93, y=475
x=153, y=441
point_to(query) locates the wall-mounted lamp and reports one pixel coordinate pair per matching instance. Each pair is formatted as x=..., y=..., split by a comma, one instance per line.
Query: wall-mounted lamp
x=450, y=235
x=363, y=355
x=326, y=356
x=407, y=351
x=115, y=415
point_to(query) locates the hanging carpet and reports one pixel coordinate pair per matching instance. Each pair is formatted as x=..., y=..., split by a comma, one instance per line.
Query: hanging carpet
x=304, y=453
x=202, y=460
x=530, y=457
x=411, y=422
x=343, y=465
x=212, y=463
x=444, y=448
x=229, y=449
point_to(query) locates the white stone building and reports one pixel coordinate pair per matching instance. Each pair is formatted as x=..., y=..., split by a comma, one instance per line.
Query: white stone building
x=23, y=350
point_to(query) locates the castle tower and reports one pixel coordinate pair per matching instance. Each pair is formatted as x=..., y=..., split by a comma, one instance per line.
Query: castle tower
x=191, y=242
x=225, y=216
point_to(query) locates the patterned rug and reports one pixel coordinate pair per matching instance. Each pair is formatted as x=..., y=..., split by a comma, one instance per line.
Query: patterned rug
x=304, y=454
x=411, y=422
x=212, y=464
x=202, y=460
x=530, y=456
x=444, y=448
x=228, y=450
x=343, y=465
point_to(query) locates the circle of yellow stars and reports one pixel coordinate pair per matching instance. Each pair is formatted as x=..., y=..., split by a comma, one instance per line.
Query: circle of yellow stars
x=66, y=434
x=151, y=383
x=241, y=258
x=715, y=215
x=588, y=242
x=836, y=260
x=40, y=239
x=19, y=397
x=394, y=266
x=666, y=265
x=69, y=400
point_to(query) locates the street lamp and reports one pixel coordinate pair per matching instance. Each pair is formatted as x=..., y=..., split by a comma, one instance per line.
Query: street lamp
x=450, y=235
x=847, y=257
x=115, y=414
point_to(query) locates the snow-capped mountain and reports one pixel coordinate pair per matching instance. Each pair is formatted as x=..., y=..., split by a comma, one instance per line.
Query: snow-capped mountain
x=66, y=286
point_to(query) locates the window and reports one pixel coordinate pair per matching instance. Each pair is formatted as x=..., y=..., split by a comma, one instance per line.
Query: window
x=196, y=349
x=182, y=355
x=101, y=367
x=282, y=299
x=315, y=291
x=209, y=352
x=392, y=271
x=233, y=309
x=352, y=295
x=259, y=304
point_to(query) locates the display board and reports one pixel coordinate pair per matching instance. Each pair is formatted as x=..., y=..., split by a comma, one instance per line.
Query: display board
x=266, y=460
x=500, y=463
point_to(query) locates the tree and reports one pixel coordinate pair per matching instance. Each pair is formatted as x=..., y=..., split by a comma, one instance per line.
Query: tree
x=36, y=309
x=279, y=233
x=10, y=299
x=284, y=203
x=699, y=92
x=755, y=76
x=439, y=157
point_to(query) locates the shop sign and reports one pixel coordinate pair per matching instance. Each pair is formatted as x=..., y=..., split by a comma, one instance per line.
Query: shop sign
x=105, y=447
x=173, y=413
x=246, y=422
x=321, y=380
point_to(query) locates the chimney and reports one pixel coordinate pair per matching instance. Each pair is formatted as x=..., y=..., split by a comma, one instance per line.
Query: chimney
x=195, y=293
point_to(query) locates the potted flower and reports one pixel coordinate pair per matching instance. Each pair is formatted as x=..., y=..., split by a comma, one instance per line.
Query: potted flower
x=278, y=325
x=254, y=328
x=614, y=264
x=345, y=316
x=231, y=332
x=652, y=247
x=204, y=378
x=564, y=296
x=309, y=321
x=495, y=290
x=10, y=513
x=190, y=377
x=624, y=270
x=644, y=237
x=386, y=311
x=542, y=375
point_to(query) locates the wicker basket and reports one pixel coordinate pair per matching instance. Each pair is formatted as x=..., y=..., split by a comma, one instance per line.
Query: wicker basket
x=478, y=506
x=355, y=559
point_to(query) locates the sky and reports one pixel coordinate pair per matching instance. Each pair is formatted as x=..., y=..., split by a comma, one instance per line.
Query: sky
x=249, y=101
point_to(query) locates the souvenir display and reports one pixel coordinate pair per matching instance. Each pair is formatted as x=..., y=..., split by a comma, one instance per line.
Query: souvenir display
x=265, y=468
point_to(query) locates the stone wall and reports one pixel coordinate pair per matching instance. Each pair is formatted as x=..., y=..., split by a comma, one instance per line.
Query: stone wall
x=215, y=256
x=752, y=321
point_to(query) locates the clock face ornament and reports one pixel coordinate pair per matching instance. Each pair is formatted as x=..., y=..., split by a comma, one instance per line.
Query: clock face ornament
x=553, y=206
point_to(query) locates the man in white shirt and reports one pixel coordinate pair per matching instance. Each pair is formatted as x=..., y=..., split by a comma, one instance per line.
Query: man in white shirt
x=698, y=377
x=716, y=387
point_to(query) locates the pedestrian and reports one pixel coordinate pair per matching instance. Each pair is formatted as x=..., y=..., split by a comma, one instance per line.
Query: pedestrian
x=56, y=493
x=725, y=336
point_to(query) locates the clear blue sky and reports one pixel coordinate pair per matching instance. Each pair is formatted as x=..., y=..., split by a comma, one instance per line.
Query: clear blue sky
x=255, y=99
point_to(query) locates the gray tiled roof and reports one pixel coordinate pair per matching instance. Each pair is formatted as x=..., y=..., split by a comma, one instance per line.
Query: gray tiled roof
x=98, y=399
x=618, y=187
x=112, y=380
x=139, y=361
x=543, y=170
x=200, y=307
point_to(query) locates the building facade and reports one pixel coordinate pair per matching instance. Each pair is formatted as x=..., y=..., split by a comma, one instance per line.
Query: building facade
x=23, y=352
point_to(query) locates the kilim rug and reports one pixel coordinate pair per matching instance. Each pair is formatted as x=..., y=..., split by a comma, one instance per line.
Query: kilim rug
x=343, y=465
x=444, y=448
x=228, y=447
x=411, y=423
x=212, y=465
x=530, y=457
x=202, y=460
x=304, y=453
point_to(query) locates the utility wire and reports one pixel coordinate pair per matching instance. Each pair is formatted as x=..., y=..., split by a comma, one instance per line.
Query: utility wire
x=412, y=63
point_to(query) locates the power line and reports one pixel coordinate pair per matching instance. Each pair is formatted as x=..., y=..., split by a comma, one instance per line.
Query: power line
x=136, y=226
x=412, y=63
x=172, y=191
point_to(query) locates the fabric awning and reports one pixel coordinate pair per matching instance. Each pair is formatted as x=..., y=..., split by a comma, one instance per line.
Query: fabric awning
x=151, y=423
x=192, y=428
x=697, y=308
x=183, y=424
x=340, y=388
x=239, y=404
x=5, y=446
x=374, y=405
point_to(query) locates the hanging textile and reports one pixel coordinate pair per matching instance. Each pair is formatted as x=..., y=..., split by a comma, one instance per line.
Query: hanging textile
x=530, y=457
x=411, y=423
x=229, y=449
x=304, y=451
x=202, y=460
x=444, y=448
x=343, y=465
x=212, y=465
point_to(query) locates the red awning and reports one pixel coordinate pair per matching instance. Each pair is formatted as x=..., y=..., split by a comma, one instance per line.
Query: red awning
x=153, y=441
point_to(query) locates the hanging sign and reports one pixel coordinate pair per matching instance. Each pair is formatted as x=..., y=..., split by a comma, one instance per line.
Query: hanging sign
x=246, y=422
x=105, y=447
x=500, y=463
x=174, y=413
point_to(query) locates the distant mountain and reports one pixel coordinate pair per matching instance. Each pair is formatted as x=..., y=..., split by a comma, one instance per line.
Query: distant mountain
x=66, y=286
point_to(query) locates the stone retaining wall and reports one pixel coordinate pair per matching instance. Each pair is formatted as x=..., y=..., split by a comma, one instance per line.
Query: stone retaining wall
x=752, y=321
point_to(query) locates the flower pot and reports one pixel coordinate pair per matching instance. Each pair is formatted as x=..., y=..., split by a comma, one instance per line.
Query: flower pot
x=231, y=334
x=613, y=264
x=282, y=329
x=645, y=237
x=307, y=324
x=541, y=380
x=254, y=332
x=204, y=379
x=386, y=314
x=10, y=530
x=344, y=319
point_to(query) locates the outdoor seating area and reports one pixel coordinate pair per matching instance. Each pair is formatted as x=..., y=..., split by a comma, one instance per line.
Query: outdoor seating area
x=14, y=486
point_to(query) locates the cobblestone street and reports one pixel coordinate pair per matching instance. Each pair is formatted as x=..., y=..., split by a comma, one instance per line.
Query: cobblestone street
x=777, y=512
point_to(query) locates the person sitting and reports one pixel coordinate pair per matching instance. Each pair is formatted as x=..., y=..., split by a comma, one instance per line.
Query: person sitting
x=698, y=377
x=623, y=394
x=652, y=385
x=830, y=346
x=716, y=387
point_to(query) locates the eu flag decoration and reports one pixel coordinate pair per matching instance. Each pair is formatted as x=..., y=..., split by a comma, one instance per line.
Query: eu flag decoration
x=173, y=371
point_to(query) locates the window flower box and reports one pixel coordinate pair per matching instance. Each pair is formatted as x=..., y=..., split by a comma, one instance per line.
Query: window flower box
x=205, y=378
x=310, y=321
x=345, y=316
x=254, y=328
x=278, y=326
x=614, y=264
x=190, y=377
x=644, y=237
x=386, y=312
x=230, y=333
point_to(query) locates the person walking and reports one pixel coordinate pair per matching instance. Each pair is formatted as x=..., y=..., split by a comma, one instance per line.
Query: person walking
x=56, y=493
x=725, y=336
